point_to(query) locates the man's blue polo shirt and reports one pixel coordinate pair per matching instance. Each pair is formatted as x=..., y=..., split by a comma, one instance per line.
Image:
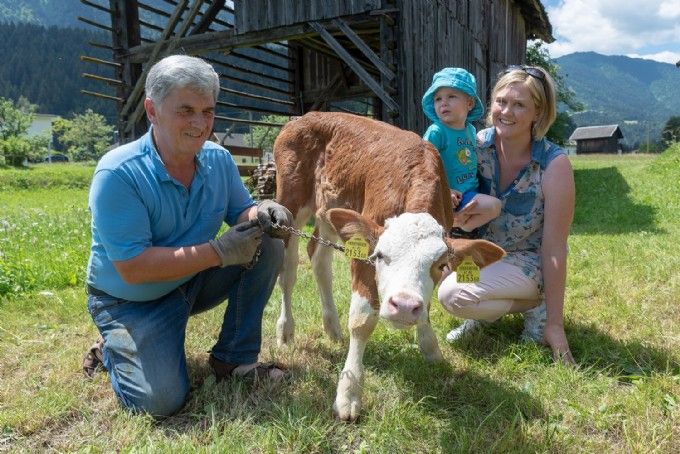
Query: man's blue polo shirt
x=135, y=204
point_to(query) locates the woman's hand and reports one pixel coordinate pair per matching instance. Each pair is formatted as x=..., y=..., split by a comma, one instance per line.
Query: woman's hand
x=556, y=339
x=456, y=197
x=461, y=216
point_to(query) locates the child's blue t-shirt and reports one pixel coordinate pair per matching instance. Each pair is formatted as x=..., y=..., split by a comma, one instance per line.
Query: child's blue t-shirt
x=457, y=150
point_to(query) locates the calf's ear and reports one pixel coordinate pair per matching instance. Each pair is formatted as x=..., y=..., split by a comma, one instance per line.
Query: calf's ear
x=348, y=223
x=482, y=252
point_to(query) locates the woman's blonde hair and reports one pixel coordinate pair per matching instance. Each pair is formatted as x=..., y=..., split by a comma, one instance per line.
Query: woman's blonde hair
x=542, y=89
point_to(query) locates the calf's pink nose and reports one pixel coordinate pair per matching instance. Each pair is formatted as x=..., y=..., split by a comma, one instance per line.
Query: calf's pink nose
x=405, y=306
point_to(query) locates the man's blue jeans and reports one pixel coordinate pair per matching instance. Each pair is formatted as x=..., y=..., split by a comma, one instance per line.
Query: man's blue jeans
x=144, y=341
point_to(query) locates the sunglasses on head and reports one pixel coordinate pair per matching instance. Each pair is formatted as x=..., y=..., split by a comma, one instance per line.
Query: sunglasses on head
x=533, y=72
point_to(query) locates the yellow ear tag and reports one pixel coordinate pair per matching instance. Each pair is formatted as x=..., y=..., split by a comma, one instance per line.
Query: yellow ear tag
x=467, y=272
x=356, y=247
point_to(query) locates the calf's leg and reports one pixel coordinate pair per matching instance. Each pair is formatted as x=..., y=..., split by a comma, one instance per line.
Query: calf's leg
x=362, y=321
x=285, y=325
x=322, y=260
x=427, y=341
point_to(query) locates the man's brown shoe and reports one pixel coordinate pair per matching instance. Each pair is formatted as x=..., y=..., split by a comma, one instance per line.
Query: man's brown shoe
x=253, y=373
x=93, y=361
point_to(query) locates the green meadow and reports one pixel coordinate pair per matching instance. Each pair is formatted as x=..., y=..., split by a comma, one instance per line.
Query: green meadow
x=492, y=394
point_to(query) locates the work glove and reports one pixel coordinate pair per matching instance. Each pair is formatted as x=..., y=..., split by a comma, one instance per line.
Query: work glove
x=270, y=213
x=238, y=245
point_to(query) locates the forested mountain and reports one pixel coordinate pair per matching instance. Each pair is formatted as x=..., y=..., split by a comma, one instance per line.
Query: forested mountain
x=639, y=95
x=60, y=13
x=43, y=65
x=42, y=62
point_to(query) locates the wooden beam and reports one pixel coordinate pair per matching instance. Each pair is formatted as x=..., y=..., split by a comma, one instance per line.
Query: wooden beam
x=257, y=97
x=224, y=40
x=246, y=72
x=247, y=122
x=151, y=9
x=356, y=67
x=100, y=45
x=189, y=20
x=208, y=17
x=99, y=61
x=101, y=95
x=133, y=99
x=364, y=48
x=232, y=105
x=108, y=80
x=95, y=6
x=95, y=24
x=255, y=84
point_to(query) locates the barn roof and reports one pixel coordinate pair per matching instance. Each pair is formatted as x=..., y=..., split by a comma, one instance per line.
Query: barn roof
x=538, y=24
x=596, y=132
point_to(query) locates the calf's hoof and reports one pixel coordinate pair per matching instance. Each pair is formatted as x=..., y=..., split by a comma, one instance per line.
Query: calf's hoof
x=333, y=330
x=346, y=409
x=285, y=332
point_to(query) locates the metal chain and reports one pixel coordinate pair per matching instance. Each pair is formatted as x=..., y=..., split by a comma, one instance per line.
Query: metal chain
x=320, y=240
x=256, y=257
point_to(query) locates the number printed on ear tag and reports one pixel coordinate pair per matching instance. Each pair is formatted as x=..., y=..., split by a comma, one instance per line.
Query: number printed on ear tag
x=467, y=272
x=356, y=247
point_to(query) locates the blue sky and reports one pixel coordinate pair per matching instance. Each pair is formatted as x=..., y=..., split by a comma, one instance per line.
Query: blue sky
x=647, y=29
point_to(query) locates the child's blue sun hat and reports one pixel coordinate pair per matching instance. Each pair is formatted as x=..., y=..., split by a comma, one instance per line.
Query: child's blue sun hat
x=459, y=79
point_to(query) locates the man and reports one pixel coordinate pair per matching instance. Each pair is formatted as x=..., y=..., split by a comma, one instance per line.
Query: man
x=157, y=204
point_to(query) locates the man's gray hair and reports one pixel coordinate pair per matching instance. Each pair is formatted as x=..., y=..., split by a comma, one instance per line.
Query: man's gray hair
x=181, y=71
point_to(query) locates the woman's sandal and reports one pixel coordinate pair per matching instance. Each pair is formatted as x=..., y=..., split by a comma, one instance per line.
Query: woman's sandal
x=253, y=373
x=94, y=359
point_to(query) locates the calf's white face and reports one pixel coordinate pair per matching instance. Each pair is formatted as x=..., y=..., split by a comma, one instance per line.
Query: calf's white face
x=408, y=256
x=409, y=253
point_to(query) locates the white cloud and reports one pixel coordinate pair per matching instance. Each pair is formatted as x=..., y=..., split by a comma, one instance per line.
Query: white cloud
x=637, y=28
x=665, y=56
x=670, y=9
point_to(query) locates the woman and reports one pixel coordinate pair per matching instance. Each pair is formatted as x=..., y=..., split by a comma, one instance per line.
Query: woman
x=534, y=180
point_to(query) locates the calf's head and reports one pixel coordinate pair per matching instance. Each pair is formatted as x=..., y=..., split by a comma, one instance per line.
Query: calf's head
x=410, y=254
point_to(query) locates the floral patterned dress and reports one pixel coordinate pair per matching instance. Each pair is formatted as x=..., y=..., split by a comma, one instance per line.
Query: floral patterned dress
x=519, y=227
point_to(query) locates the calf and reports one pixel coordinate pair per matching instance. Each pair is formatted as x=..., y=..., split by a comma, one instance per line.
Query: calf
x=355, y=174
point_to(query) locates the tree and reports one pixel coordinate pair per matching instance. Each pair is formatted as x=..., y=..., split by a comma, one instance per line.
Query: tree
x=15, y=119
x=15, y=150
x=563, y=125
x=86, y=137
x=263, y=136
x=671, y=131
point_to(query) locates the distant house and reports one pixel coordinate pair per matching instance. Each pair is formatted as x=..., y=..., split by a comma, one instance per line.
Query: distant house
x=246, y=158
x=56, y=157
x=597, y=139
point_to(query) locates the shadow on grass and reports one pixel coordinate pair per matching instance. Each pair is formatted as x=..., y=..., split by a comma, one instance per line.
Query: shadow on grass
x=625, y=361
x=478, y=413
x=481, y=414
x=603, y=204
x=592, y=348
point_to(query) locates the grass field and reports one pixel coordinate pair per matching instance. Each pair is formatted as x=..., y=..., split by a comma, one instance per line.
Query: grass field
x=493, y=393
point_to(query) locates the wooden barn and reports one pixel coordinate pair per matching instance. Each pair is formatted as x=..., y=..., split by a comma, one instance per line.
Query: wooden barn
x=287, y=57
x=597, y=139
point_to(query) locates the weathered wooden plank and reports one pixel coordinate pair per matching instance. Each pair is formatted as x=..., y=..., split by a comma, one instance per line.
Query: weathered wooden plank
x=95, y=6
x=108, y=80
x=224, y=40
x=139, y=85
x=252, y=108
x=363, y=47
x=246, y=122
x=101, y=95
x=256, y=97
x=95, y=24
x=208, y=17
x=356, y=67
